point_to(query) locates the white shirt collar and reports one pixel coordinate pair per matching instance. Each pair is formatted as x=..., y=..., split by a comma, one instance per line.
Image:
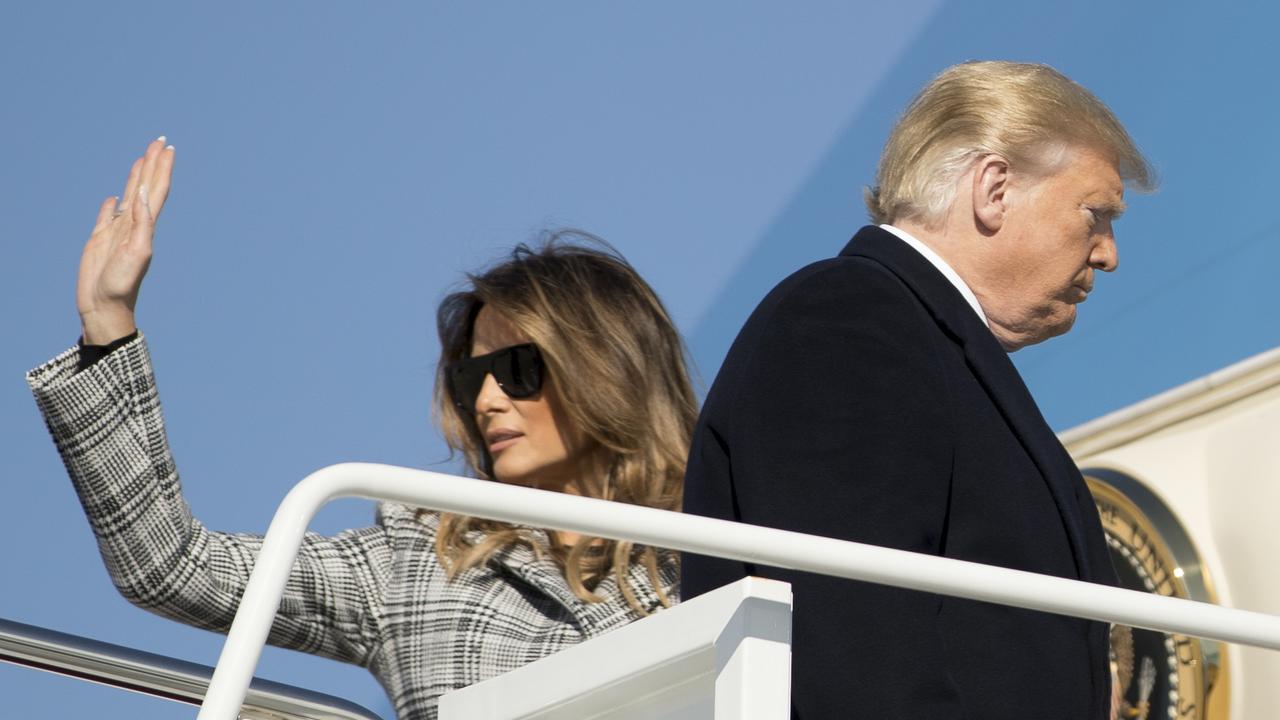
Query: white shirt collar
x=946, y=270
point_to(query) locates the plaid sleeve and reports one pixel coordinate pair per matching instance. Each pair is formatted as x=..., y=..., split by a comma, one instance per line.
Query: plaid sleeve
x=107, y=424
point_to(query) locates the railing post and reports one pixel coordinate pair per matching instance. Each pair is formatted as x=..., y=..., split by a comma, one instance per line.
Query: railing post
x=258, y=605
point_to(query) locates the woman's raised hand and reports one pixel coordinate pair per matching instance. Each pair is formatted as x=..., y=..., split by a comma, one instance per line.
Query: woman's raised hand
x=119, y=250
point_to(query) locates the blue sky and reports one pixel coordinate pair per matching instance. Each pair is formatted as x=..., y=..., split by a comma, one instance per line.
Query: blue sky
x=341, y=165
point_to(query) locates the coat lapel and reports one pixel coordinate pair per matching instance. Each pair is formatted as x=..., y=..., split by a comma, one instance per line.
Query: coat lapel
x=993, y=370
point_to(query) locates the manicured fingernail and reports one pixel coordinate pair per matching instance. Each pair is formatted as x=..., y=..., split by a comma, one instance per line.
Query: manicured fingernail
x=168, y=147
x=160, y=139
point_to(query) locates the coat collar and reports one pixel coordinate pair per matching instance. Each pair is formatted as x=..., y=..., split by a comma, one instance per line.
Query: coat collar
x=993, y=370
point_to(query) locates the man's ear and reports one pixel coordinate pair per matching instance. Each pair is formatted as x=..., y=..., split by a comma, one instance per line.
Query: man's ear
x=990, y=185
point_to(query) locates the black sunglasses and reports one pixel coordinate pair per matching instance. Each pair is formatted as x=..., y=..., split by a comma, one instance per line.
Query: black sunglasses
x=518, y=370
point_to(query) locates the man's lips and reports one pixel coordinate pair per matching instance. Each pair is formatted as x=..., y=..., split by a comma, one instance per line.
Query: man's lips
x=501, y=439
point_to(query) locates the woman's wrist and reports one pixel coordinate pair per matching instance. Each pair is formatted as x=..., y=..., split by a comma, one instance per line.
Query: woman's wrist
x=103, y=327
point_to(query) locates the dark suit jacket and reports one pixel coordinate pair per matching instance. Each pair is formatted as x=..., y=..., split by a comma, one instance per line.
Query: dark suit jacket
x=865, y=400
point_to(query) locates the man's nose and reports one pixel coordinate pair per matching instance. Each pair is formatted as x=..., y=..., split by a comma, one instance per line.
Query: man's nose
x=1105, y=256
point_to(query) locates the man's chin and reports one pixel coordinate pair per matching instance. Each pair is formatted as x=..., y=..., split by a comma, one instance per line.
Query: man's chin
x=1062, y=326
x=1068, y=322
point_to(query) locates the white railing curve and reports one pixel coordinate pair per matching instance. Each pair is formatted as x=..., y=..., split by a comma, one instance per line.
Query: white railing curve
x=689, y=533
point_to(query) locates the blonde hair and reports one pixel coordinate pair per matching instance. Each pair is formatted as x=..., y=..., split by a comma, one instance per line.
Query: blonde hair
x=619, y=367
x=1020, y=111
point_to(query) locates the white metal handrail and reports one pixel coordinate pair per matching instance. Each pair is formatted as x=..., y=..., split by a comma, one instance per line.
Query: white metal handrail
x=688, y=533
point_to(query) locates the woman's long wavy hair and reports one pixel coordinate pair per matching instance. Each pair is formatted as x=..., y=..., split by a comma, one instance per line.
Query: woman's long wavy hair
x=619, y=367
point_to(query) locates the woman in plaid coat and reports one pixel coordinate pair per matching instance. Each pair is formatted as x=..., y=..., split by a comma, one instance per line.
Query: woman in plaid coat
x=429, y=602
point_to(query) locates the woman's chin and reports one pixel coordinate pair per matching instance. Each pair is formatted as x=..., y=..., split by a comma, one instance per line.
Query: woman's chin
x=530, y=480
x=508, y=475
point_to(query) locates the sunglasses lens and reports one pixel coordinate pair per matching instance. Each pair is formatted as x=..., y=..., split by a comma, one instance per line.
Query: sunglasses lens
x=465, y=380
x=518, y=370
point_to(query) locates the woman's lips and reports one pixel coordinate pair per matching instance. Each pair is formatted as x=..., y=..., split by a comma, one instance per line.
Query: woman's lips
x=502, y=439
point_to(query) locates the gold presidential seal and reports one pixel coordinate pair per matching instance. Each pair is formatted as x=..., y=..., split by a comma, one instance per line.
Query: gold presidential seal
x=1159, y=675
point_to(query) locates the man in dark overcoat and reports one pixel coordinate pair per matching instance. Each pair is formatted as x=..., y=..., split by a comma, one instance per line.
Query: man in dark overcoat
x=870, y=397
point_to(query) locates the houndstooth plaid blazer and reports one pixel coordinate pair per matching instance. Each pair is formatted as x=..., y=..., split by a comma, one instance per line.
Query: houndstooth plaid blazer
x=376, y=597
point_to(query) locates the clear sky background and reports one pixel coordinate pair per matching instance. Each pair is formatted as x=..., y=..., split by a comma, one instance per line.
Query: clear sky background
x=340, y=165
